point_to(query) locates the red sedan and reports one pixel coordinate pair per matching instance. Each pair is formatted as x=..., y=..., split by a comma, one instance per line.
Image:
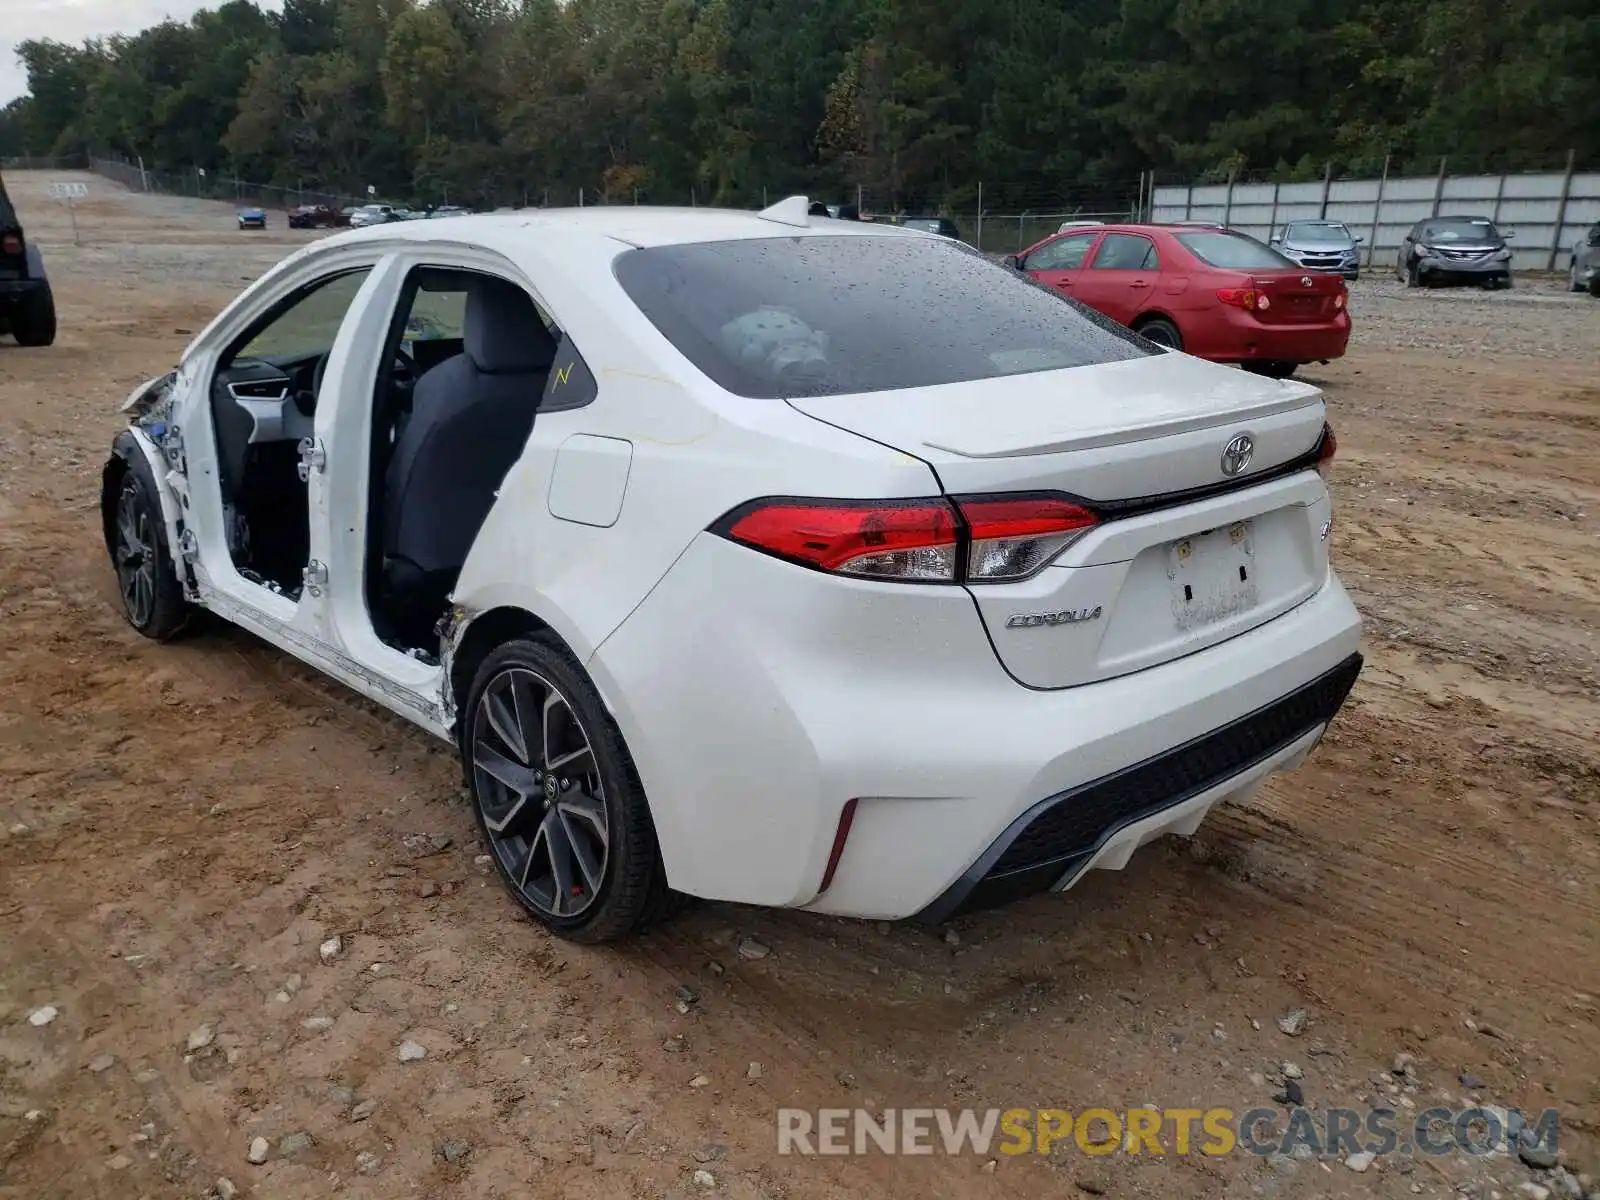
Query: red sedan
x=1203, y=289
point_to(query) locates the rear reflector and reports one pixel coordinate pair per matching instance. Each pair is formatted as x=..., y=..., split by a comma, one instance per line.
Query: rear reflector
x=846, y=819
x=973, y=539
x=11, y=244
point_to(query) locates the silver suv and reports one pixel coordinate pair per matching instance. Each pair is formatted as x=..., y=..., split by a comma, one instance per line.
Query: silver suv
x=1586, y=262
x=1321, y=246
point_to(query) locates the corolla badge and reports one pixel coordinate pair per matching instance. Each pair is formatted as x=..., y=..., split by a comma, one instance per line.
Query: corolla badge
x=1070, y=616
x=1236, y=455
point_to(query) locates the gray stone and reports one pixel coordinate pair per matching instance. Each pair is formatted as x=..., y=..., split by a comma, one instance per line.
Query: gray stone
x=750, y=948
x=1290, y=1071
x=1293, y=1023
x=411, y=1052
x=367, y=1163
x=454, y=1151
x=258, y=1150
x=200, y=1038
x=331, y=949
x=224, y=1188
x=1540, y=1158
x=295, y=1143
x=1360, y=1162
x=102, y=1063
x=704, y=1179
x=40, y=1017
x=317, y=1024
x=364, y=1110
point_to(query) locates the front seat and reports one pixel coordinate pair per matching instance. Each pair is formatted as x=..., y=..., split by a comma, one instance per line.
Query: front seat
x=470, y=417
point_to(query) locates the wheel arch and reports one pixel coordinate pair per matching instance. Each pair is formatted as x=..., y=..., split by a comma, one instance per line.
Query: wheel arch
x=475, y=638
x=132, y=451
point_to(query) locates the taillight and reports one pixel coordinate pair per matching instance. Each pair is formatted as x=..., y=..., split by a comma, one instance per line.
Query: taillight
x=1327, y=447
x=1013, y=536
x=11, y=244
x=1244, y=298
x=1338, y=302
x=911, y=540
x=973, y=539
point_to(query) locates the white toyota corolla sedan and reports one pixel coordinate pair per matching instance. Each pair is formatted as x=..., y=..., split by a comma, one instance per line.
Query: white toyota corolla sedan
x=753, y=556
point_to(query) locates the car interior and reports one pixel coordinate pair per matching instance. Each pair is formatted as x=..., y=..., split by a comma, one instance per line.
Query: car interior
x=467, y=360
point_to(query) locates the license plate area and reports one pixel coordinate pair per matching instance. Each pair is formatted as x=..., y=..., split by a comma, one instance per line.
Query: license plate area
x=1213, y=575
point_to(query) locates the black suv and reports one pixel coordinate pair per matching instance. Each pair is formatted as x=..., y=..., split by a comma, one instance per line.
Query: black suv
x=27, y=309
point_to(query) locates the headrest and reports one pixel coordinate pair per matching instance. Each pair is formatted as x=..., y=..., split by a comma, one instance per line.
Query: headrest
x=504, y=334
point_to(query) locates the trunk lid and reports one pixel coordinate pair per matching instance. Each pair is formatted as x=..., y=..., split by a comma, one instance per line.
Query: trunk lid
x=1182, y=560
x=1296, y=296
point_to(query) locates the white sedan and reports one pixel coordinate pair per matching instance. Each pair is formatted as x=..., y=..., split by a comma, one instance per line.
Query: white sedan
x=753, y=556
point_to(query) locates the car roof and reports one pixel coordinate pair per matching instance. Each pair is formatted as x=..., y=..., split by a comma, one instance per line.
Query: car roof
x=634, y=225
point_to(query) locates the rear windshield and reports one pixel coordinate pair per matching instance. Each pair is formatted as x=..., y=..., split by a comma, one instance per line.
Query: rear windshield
x=1235, y=252
x=827, y=316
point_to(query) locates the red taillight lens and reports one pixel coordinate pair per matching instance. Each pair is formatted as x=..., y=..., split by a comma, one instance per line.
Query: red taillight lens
x=1244, y=298
x=1326, y=449
x=1013, y=536
x=976, y=539
x=913, y=540
x=11, y=244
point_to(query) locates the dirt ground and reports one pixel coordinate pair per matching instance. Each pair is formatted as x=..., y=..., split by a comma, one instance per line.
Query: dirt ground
x=181, y=827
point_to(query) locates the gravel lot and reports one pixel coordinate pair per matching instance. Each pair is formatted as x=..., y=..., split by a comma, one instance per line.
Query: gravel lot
x=183, y=828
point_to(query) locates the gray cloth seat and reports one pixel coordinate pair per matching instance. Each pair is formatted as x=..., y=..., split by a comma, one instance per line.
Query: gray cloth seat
x=470, y=417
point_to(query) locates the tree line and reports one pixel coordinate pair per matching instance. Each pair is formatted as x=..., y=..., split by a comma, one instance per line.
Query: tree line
x=913, y=101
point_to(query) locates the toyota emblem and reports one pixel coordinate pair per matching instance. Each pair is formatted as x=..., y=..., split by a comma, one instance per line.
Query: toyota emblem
x=1306, y=281
x=1237, y=453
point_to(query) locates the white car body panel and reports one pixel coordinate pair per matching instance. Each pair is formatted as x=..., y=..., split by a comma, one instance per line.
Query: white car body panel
x=756, y=696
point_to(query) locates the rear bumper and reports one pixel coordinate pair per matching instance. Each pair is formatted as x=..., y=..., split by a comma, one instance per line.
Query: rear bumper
x=1100, y=824
x=1246, y=339
x=758, y=698
x=14, y=289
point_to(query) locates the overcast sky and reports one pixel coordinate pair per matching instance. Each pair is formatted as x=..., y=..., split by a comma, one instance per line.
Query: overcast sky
x=74, y=20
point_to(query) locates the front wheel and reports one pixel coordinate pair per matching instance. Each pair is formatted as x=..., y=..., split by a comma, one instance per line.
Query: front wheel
x=1574, y=284
x=1413, y=276
x=152, y=599
x=1272, y=369
x=557, y=797
x=1594, y=285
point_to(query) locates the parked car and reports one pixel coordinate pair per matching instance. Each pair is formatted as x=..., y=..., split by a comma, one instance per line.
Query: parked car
x=1203, y=289
x=373, y=214
x=1068, y=226
x=691, y=629
x=316, y=216
x=449, y=210
x=252, y=218
x=943, y=226
x=27, y=305
x=1585, y=271
x=1445, y=250
x=1321, y=246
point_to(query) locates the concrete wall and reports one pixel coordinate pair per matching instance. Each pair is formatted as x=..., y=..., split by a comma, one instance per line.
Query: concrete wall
x=1382, y=211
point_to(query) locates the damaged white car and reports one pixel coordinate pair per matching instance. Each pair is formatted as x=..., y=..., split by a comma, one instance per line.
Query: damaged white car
x=754, y=556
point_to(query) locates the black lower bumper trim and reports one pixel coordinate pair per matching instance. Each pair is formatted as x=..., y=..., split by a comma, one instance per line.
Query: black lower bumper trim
x=1060, y=834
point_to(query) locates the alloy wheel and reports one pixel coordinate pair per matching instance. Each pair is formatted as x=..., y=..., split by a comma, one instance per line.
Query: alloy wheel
x=539, y=792
x=136, y=559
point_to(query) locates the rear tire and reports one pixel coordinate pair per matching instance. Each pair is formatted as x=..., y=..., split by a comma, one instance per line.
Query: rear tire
x=573, y=843
x=1272, y=369
x=33, y=321
x=1594, y=285
x=1162, y=332
x=1574, y=284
